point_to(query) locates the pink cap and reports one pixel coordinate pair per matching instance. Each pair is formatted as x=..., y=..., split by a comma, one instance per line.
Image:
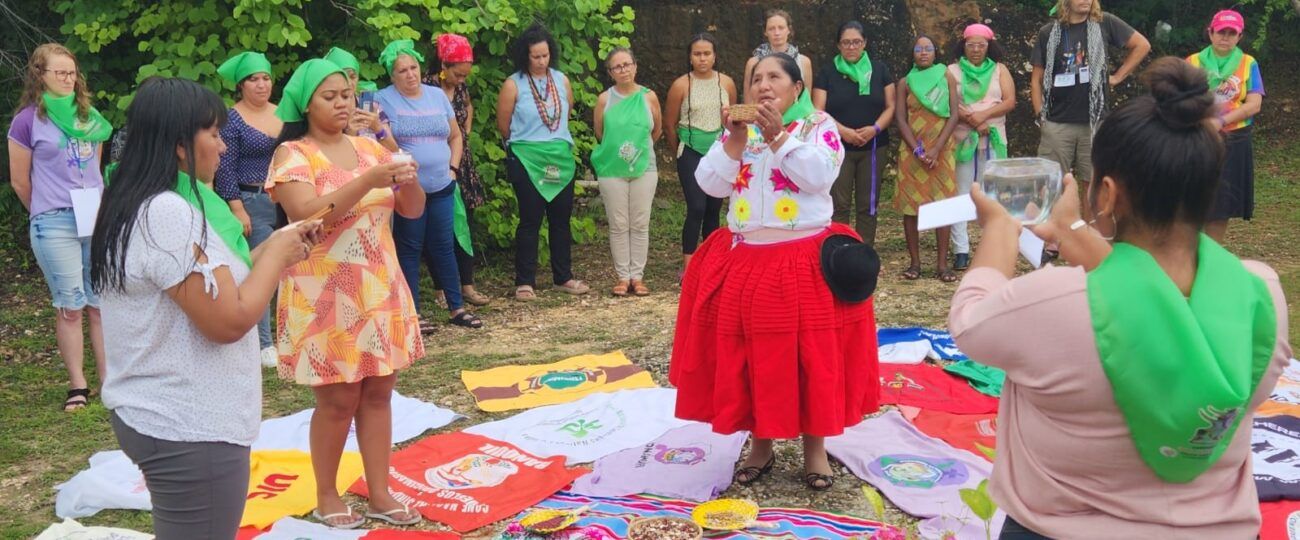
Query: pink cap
x=978, y=30
x=1228, y=19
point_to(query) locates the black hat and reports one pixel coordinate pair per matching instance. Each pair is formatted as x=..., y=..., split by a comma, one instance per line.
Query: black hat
x=850, y=267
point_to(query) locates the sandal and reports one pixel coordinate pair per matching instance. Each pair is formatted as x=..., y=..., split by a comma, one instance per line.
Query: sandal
x=466, y=319
x=945, y=275
x=387, y=517
x=345, y=525
x=441, y=299
x=639, y=288
x=476, y=298
x=818, y=481
x=574, y=287
x=752, y=474
x=912, y=273
x=524, y=293
x=620, y=289
x=78, y=398
x=427, y=327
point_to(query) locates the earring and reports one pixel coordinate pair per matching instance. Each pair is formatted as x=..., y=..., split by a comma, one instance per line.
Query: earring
x=1114, y=226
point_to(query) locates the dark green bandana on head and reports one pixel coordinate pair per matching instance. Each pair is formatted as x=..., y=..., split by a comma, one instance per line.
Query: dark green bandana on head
x=62, y=112
x=243, y=65
x=396, y=49
x=1183, y=369
x=302, y=84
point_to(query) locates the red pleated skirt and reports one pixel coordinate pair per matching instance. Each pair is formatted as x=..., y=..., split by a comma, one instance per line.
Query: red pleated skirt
x=763, y=346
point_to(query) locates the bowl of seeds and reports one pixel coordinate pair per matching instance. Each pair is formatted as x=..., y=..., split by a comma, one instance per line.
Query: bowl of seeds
x=664, y=528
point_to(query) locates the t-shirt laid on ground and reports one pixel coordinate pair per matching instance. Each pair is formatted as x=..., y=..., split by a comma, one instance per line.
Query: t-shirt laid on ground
x=297, y=529
x=411, y=417
x=111, y=482
x=845, y=104
x=923, y=476
x=281, y=483
x=521, y=387
x=965, y=431
x=691, y=462
x=930, y=387
x=591, y=428
x=468, y=481
x=421, y=126
x=984, y=379
x=1069, y=97
x=69, y=529
x=1275, y=445
x=1281, y=520
x=938, y=345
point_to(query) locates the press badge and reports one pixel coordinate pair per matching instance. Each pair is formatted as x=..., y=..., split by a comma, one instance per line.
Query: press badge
x=1063, y=80
x=1083, y=75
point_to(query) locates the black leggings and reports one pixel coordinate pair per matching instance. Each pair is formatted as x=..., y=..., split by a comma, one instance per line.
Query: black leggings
x=701, y=209
x=532, y=208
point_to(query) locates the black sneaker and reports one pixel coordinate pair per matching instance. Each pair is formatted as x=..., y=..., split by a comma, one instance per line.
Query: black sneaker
x=961, y=262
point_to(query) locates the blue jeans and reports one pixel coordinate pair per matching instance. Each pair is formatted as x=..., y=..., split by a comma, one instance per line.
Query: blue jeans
x=430, y=236
x=64, y=258
x=261, y=211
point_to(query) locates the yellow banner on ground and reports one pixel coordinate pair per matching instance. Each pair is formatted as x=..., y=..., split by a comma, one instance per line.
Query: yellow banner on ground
x=281, y=484
x=522, y=387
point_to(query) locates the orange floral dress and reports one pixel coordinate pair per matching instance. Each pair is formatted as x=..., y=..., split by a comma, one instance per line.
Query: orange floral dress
x=345, y=313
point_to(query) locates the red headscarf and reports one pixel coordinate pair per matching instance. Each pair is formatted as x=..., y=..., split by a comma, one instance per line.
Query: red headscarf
x=454, y=49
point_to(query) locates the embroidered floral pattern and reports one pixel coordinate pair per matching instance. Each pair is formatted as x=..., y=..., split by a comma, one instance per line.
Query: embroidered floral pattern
x=743, y=176
x=742, y=210
x=781, y=182
x=832, y=140
x=787, y=210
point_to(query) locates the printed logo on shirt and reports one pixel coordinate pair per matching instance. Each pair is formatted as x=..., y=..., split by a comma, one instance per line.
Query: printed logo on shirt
x=907, y=470
x=581, y=428
x=1206, y=438
x=272, y=486
x=902, y=382
x=471, y=471
x=688, y=455
x=1293, y=526
x=80, y=153
x=1227, y=90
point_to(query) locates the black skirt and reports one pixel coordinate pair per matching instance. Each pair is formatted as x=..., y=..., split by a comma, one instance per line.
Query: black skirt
x=1236, y=197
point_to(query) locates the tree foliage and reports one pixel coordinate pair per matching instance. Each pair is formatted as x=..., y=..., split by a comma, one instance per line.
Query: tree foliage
x=122, y=42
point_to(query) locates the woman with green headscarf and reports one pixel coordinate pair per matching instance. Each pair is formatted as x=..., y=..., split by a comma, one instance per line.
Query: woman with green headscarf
x=368, y=120
x=1132, y=379
x=55, y=144
x=350, y=354
x=926, y=99
x=250, y=134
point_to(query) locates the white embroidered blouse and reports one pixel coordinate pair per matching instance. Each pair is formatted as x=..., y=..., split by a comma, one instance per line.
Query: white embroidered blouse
x=787, y=190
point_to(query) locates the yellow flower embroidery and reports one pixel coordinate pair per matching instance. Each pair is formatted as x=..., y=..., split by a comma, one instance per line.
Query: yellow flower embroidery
x=787, y=209
x=742, y=210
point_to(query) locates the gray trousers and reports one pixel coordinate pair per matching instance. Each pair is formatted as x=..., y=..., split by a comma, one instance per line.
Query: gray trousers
x=197, y=488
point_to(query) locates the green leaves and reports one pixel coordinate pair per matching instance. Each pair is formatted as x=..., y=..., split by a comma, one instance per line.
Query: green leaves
x=876, y=500
x=980, y=504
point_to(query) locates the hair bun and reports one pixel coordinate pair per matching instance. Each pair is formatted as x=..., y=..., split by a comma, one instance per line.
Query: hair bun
x=1182, y=95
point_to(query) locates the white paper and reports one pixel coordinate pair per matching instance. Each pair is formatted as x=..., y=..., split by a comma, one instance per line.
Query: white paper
x=1031, y=246
x=1084, y=78
x=85, y=206
x=944, y=213
x=1062, y=80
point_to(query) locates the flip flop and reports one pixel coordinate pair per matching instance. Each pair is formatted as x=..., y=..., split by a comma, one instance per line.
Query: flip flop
x=344, y=526
x=387, y=517
x=524, y=293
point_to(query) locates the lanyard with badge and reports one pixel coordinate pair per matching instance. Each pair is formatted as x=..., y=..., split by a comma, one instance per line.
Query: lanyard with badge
x=85, y=200
x=1068, y=78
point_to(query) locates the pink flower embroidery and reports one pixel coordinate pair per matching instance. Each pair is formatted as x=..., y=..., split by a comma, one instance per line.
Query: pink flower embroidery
x=781, y=182
x=831, y=140
x=724, y=137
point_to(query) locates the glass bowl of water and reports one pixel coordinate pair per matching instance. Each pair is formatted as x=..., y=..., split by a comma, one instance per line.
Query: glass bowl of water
x=1026, y=187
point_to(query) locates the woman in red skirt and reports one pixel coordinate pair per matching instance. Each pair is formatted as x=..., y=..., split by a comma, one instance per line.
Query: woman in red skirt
x=763, y=343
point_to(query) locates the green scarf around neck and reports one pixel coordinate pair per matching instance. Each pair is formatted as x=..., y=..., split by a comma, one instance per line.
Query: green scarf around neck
x=800, y=109
x=966, y=147
x=550, y=164
x=859, y=72
x=1218, y=67
x=62, y=111
x=976, y=79
x=930, y=86
x=697, y=139
x=624, y=150
x=1183, y=369
x=218, y=214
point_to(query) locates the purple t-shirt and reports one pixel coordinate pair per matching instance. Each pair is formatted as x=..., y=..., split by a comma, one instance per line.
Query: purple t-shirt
x=691, y=462
x=59, y=164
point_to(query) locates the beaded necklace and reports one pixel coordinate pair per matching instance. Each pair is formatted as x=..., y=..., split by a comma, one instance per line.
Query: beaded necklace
x=552, y=96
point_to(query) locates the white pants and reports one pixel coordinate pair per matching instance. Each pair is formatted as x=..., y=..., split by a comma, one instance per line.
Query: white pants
x=627, y=207
x=965, y=177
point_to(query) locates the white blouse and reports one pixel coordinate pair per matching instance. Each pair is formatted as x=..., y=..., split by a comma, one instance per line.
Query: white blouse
x=788, y=190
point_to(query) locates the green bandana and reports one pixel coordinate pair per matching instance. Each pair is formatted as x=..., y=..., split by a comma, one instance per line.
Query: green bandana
x=624, y=151
x=966, y=147
x=302, y=84
x=243, y=65
x=976, y=79
x=698, y=139
x=218, y=214
x=801, y=108
x=398, y=48
x=460, y=222
x=1182, y=369
x=984, y=379
x=62, y=111
x=550, y=164
x=930, y=86
x=859, y=73
x=1220, y=67
x=367, y=86
x=343, y=59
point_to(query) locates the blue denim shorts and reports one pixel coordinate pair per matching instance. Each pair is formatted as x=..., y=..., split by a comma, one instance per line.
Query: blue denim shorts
x=63, y=258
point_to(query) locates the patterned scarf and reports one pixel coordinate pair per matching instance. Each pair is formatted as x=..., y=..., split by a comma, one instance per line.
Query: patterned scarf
x=765, y=50
x=1096, y=65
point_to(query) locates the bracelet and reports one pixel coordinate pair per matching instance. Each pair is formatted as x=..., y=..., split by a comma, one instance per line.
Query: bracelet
x=877, y=128
x=381, y=134
x=779, y=138
x=1078, y=224
x=919, y=151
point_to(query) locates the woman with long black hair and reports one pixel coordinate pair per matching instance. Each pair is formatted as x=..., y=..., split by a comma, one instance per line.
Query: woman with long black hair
x=182, y=291
x=693, y=114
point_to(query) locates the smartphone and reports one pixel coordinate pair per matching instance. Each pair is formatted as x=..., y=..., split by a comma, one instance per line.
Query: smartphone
x=367, y=101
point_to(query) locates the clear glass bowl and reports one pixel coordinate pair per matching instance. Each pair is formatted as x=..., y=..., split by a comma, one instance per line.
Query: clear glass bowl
x=1026, y=187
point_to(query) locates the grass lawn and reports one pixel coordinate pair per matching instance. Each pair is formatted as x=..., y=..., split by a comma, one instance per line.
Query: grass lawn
x=40, y=446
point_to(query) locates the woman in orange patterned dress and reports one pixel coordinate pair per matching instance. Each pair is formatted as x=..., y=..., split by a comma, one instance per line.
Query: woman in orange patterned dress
x=346, y=321
x=926, y=167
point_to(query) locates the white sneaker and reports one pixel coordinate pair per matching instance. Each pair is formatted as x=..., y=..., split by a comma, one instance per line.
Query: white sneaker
x=269, y=357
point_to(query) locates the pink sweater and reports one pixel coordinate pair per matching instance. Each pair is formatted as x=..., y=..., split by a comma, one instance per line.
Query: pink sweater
x=1066, y=466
